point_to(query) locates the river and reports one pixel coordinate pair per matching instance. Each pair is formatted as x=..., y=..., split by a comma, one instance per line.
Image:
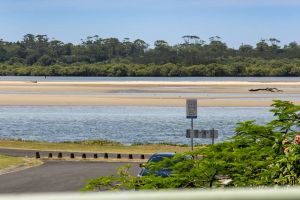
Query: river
x=125, y=124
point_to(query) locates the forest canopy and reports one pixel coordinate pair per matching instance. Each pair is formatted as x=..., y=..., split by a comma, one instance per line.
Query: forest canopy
x=95, y=56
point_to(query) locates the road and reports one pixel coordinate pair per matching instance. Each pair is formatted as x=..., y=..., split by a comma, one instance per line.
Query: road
x=58, y=176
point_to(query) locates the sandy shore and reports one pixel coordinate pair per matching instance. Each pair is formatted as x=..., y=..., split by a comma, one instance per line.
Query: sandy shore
x=145, y=93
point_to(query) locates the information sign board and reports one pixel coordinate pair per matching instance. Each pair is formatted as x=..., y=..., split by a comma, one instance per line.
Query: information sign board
x=203, y=133
x=191, y=108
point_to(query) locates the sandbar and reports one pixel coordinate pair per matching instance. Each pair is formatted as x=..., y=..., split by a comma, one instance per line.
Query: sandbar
x=145, y=93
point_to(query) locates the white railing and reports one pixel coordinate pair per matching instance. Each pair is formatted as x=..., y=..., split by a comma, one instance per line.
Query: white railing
x=224, y=194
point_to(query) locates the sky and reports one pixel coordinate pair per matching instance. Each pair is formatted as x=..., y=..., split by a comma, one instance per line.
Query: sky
x=235, y=21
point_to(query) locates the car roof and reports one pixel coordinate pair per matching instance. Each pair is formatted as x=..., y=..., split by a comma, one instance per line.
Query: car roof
x=164, y=154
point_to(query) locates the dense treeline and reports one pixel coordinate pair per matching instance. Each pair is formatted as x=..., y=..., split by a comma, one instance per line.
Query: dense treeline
x=252, y=67
x=38, y=55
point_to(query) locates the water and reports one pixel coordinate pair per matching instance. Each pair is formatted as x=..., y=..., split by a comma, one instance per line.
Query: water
x=123, y=124
x=193, y=79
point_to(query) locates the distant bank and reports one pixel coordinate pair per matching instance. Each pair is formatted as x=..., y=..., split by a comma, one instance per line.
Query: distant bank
x=152, y=79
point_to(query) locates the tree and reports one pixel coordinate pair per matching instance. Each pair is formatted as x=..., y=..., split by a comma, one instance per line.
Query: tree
x=2, y=54
x=267, y=58
x=246, y=50
x=262, y=46
x=45, y=60
x=140, y=47
x=192, y=39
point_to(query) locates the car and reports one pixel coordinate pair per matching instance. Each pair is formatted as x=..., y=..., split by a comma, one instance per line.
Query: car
x=164, y=172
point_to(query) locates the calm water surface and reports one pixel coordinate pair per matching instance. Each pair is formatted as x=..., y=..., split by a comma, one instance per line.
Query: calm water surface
x=123, y=124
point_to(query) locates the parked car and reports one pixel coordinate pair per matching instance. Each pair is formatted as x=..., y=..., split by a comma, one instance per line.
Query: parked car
x=164, y=172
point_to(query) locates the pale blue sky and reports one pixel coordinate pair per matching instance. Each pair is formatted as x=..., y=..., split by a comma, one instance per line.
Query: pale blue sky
x=235, y=21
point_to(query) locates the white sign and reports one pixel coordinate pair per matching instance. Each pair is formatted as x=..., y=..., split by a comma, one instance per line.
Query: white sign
x=191, y=108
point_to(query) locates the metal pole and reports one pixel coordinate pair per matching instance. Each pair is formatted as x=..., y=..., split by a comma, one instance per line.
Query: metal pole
x=213, y=136
x=192, y=133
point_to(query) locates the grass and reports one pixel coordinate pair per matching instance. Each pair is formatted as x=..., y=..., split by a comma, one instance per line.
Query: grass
x=99, y=146
x=9, y=161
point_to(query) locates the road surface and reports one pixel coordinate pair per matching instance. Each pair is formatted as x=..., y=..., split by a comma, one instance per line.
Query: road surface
x=58, y=176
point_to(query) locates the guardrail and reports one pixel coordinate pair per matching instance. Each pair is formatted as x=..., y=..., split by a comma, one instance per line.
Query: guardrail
x=70, y=155
x=225, y=194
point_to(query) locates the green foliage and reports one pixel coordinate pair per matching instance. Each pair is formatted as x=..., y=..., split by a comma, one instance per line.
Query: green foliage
x=258, y=155
x=110, y=57
x=124, y=181
x=249, y=67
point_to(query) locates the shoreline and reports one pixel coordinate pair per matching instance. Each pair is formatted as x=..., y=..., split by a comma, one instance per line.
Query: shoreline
x=163, y=83
x=76, y=100
x=89, y=147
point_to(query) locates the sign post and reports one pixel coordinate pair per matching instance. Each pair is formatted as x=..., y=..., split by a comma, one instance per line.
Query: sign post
x=213, y=136
x=191, y=113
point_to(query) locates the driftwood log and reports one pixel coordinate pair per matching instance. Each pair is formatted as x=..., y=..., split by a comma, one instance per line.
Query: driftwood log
x=266, y=89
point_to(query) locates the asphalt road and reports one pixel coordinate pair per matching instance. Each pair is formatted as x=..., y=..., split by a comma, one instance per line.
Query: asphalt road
x=58, y=176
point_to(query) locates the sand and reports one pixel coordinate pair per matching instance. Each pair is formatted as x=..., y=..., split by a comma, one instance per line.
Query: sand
x=145, y=93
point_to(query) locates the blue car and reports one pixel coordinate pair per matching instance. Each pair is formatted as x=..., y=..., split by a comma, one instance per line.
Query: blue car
x=153, y=159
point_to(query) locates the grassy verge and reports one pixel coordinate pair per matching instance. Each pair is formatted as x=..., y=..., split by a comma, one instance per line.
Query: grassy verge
x=93, y=146
x=9, y=161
